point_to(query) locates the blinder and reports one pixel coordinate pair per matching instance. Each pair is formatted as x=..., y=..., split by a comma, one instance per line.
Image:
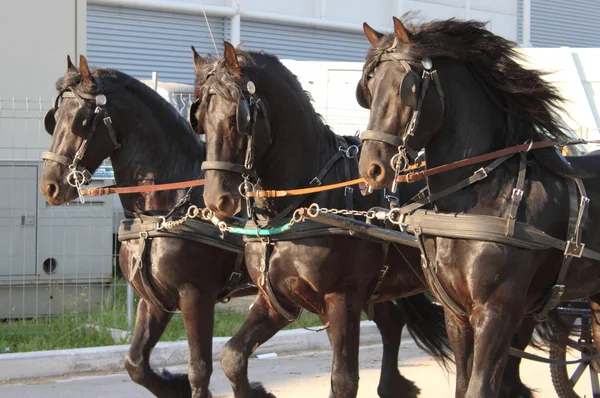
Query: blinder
x=410, y=87
x=82, y=121
x=360, y=96
x=192, y=117
x=246, y=111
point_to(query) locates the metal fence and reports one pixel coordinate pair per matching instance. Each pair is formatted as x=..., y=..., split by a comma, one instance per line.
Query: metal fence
x=60, y=282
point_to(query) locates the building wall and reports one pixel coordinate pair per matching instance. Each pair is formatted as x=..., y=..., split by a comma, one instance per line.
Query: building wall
x=37, y=36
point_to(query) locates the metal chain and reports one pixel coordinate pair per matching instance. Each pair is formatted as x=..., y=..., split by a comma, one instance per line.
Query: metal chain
x=192, y=212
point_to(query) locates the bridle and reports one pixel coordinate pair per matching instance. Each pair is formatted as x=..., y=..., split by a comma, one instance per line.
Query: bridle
x=412, y=92
x=84, y=125
x=247, y=111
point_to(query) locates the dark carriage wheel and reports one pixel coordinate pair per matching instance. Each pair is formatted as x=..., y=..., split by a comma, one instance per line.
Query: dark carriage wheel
x=562, y=381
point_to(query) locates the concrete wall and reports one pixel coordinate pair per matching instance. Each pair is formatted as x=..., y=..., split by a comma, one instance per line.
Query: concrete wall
x=36, y=37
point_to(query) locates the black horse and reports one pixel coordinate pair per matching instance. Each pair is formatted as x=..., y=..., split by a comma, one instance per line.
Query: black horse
x=478, y=99
x=150, y=143
x=252, y=108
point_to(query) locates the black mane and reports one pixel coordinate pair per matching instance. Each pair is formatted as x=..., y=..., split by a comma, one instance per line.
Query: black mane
x=522, y=92
x=253, y=64
x=531, y=105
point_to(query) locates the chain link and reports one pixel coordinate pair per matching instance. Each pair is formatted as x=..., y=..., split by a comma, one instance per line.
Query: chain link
x=192, y=212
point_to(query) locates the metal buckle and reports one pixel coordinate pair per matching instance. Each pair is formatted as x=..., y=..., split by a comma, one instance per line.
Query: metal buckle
x=235, y=275
x=348, y=191
x=481, y=173
x=572, y=249
x=315, y=182
x=517, y=194
x=584, y=201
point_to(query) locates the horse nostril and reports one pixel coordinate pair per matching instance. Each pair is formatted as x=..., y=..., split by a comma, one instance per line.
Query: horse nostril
x=226, y=204
x=375, y=171
x=52, y=191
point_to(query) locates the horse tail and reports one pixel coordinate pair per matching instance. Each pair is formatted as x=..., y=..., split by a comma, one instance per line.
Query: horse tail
x=426, y=325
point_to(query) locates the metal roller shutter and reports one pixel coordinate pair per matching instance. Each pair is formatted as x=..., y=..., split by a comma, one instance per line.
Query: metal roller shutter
x=557, y=23
x=139, y=42
x=303, y=43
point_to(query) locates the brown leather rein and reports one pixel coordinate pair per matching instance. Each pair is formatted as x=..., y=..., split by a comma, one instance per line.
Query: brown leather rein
x=110, y=189
x=409, y=177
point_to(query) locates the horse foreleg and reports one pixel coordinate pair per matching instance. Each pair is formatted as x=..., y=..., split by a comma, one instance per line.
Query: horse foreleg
x=461, y=339
x=198, y=315
x=512, y=386
x=494, y=322
x=149, y=326
x=390, y=322
x=260, y=325
x=343, y=312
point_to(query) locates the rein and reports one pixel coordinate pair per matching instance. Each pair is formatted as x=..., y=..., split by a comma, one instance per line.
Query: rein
x=111, y=189
x=526, y=147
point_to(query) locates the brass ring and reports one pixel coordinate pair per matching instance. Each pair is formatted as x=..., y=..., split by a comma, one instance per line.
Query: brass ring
x=313, y=210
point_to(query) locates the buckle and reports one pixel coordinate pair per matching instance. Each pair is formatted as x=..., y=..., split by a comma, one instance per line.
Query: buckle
x=315, y=182
x=348, y=191
x=572, y=249
x=235, y=276
x=517, y=194
x=481, y=173
x=584, y=201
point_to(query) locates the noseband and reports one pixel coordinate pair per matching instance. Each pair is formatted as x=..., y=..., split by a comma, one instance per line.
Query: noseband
x=79, y=175
x=413, y=90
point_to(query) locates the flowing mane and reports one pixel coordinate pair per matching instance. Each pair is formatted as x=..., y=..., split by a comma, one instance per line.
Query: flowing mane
x=259, y=66
x=521, y=93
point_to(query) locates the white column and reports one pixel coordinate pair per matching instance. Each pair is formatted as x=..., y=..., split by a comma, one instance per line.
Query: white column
x=235, y=28
x=526, y=23
x=400, y=8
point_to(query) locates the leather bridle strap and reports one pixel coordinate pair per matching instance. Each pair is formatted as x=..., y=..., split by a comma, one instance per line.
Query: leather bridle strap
x=374, y=135
x=225, y=166
x=108, y=190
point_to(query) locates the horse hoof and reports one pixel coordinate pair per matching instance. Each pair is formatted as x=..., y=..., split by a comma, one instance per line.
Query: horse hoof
x=259, y=391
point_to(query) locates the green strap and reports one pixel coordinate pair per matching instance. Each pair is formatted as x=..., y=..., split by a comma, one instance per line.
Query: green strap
x=260, y=232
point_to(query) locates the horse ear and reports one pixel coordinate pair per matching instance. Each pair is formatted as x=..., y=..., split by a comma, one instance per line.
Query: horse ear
x=71, y=69
x=84, y=69
x=231, y=57
x=372, y=35
x=198, y=60
x=401, y=31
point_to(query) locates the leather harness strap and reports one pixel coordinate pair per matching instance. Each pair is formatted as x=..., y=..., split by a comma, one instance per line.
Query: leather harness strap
x=110, y=189
x=145, y=272
x=516, y=196
x=265, y=282
x=574, y=247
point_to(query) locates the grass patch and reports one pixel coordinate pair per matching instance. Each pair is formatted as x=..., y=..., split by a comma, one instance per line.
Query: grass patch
x=83, y=329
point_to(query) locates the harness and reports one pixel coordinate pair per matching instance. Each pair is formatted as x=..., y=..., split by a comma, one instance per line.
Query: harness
x=145, y=228
x=412, y=94
x=84, y=125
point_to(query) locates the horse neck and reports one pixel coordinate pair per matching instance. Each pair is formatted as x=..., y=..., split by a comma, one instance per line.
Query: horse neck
x=153, y=151
x=471, y=127
x=302, y=145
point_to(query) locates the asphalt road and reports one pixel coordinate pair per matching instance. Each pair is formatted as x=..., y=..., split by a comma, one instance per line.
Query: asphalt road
x=293, y=375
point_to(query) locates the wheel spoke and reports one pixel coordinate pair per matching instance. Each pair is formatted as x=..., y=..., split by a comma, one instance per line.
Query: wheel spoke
x=595, y=384
x=578, y=372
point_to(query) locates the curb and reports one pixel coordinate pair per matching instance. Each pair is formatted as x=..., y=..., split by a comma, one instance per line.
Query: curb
x=33, y=365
